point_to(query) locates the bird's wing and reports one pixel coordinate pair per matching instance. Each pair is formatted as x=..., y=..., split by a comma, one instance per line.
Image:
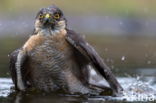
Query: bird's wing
x=16, y=69
x=88, y=51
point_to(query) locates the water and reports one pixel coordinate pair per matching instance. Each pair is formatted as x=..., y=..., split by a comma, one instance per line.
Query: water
x=6, y=84
x=135, y=89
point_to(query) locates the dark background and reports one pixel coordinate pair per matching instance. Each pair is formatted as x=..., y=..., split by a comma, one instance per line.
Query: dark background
x=122, y=31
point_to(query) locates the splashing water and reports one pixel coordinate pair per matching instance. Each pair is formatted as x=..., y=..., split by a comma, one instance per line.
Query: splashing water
x=5, y=86
x=138, y=90
x=135, y=89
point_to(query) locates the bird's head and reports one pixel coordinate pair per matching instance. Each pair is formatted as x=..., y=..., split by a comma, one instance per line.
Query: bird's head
x=50, y=18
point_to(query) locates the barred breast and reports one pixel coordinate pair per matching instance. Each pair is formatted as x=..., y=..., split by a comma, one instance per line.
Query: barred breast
x=53, y=66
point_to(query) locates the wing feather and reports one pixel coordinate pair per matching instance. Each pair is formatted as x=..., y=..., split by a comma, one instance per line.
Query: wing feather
x=88, y=51
x=13, y=69
x=13, y=59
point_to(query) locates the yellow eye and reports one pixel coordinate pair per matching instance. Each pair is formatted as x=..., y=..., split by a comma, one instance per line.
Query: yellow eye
x=56, y=16
x=41, y=16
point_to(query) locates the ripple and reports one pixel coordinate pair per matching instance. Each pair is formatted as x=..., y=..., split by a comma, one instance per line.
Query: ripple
x=135, y=89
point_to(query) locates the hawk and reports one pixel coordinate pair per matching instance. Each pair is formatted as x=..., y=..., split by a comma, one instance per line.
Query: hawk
x=57, y=58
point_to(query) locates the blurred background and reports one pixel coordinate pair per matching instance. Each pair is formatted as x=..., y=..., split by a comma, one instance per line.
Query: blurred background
x=122, y=31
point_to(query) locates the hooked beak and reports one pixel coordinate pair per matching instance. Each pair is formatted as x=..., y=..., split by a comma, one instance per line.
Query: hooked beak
x=48, y=19
x=47, y=16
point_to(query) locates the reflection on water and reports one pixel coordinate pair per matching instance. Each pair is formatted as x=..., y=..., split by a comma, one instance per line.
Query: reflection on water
x=135, y=89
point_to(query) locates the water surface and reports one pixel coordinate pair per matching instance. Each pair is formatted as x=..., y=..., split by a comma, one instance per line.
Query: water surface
x=135, y=89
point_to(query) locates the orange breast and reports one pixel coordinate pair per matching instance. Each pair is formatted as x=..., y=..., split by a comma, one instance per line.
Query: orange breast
x=33, y=41
x=36, y=40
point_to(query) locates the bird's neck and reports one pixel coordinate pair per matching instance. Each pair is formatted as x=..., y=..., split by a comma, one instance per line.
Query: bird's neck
x=49, y=32
x=42, y=30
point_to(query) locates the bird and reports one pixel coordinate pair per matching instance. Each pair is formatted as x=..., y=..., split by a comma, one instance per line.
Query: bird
x=56, y=58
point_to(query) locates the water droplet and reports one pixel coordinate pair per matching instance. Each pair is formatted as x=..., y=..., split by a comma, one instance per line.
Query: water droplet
x=123, y=58
x=138, y=78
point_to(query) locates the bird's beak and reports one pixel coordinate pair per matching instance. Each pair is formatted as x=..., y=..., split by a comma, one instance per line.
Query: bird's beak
x=48, y=19
x=47, y=16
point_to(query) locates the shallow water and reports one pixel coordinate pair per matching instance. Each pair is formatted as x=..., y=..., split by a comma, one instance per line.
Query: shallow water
x=135, y=89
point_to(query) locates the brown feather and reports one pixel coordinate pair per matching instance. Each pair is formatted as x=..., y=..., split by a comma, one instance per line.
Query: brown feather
x=88, y=51
x=33, y=41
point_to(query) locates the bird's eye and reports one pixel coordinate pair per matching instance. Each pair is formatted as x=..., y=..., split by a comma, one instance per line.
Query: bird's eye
x=41, y=16
x=57, y=16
